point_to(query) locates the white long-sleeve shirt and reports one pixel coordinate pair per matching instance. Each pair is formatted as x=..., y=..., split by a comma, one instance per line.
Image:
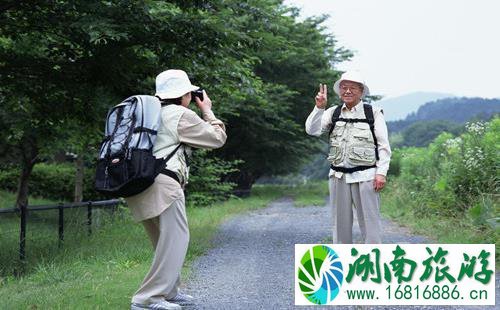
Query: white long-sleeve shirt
x=320, y=121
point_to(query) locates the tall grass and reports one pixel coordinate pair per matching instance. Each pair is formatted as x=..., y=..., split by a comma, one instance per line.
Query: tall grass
x=449, y=191
x=399, y=204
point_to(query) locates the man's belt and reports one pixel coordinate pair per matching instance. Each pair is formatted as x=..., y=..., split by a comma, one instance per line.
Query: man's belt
x=171, y=174
x=352, y=169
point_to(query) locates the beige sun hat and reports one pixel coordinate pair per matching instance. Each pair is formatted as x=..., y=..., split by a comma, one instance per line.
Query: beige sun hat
x=173, y=84
x=353, y=76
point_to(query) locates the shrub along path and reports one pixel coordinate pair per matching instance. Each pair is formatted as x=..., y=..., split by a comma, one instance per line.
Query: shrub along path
x=252, y=265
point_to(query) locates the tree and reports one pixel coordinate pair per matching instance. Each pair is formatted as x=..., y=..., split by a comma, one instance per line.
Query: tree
x=55, y=58
x=288, y=60
x=422, y=133
x=64, y=63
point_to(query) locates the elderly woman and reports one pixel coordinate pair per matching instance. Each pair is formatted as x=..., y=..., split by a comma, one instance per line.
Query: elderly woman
x=161, y=207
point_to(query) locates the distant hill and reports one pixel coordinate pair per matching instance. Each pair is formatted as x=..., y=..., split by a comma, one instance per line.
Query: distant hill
x=398, y=108
x=456, y=110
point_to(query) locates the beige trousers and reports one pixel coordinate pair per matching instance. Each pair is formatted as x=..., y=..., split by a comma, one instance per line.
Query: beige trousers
x=169, y=235
x=367, y=204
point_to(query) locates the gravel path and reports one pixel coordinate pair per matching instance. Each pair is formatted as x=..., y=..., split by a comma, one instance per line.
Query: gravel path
x=248, y=267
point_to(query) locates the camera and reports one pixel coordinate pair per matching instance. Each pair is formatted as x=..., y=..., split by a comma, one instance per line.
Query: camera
x=197, y=93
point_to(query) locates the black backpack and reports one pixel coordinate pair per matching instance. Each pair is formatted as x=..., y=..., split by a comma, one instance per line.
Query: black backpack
x=126, y=165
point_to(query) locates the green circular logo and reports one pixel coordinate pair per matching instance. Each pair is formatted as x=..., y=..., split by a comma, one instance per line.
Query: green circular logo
x=320, y=274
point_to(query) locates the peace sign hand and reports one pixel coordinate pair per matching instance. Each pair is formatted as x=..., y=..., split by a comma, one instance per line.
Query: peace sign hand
x=321, y=97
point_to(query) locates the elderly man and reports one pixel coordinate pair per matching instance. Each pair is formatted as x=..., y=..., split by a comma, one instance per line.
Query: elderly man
x=359, y=156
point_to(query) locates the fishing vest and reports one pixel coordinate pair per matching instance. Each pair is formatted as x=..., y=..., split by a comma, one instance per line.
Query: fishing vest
x=353, y=145
x=168, y=141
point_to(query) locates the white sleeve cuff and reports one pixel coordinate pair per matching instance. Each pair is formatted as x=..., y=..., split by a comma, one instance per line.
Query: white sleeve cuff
x=209, y=116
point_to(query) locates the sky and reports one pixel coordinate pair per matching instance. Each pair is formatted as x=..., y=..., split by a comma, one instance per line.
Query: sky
x=405, y=46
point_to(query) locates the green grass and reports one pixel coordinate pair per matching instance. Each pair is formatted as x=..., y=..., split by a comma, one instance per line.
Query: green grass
x=8, y=200
x=310, y=194
x=398, y=205
x=104, y=270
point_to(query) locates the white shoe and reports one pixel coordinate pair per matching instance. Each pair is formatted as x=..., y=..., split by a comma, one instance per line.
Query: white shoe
x=182, y=299
x=162, y=305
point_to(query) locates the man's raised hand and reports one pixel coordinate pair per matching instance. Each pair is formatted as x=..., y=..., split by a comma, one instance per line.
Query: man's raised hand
x=322, y=96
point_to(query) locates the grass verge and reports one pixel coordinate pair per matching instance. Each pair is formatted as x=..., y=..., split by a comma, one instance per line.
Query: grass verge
x=101, y=271
x=310, y=194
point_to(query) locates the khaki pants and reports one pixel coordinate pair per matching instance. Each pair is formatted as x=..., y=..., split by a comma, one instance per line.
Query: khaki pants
x=367, y=204
x=169, y=235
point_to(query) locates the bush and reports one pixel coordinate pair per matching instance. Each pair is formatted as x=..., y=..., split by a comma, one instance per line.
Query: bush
x=53, y=181
x=477, y=171
x=57, y=181
x=395, y=166
x=454, y=174
x=206, y=184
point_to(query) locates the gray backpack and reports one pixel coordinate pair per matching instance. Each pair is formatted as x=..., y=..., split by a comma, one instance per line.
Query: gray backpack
x=126, y=165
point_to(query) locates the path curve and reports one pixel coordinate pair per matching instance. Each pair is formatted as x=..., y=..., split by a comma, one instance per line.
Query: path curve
x=251, y=265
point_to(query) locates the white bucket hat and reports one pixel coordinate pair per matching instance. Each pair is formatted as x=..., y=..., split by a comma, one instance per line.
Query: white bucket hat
x=173, y=84
x=353, y=76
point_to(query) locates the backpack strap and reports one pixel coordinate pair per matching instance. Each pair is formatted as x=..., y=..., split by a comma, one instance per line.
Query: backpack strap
x=166, y=159
x=144, y=129
x=166, y=171
x=335, y=117
x=171, y=174
x=117, y=125
x=368, y=109
x=130, y=133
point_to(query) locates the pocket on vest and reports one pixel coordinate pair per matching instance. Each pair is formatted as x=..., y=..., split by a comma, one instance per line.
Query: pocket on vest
x=335, y=156
x=361, y=131
x=339, y=128
x=361, y=156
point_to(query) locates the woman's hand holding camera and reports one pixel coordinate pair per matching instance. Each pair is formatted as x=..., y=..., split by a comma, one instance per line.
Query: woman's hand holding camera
x=206, y=104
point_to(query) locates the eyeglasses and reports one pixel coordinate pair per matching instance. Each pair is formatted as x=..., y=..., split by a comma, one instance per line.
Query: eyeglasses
x=354, y=89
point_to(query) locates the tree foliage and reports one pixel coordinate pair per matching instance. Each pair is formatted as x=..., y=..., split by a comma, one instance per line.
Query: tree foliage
x=64, y=63
x=422, y=133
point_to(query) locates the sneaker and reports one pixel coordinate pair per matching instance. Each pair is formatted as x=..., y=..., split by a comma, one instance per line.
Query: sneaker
x=182, y=299
x=162, y=305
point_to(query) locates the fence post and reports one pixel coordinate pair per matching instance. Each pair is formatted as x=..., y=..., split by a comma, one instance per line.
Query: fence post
x=22, y=235
x=18, y=271
x=61, y=224
x=89, y=217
